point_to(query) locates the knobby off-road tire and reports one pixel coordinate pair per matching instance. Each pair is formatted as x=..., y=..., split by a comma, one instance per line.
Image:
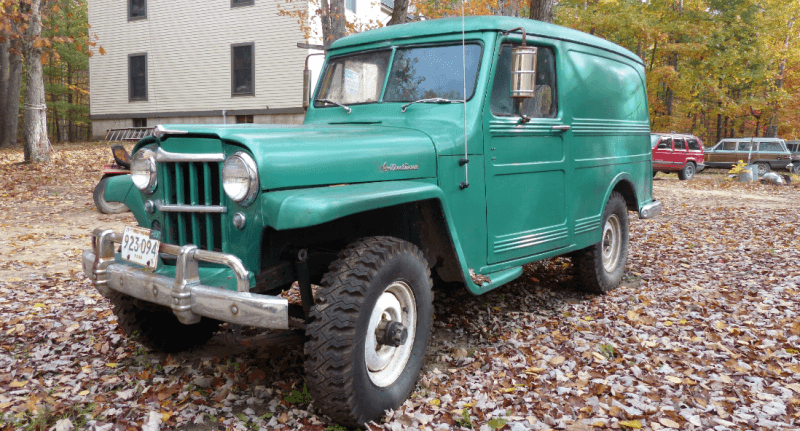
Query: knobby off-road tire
x=102, y=204
x=352, y=377
x=688, y=171
x=602, y=265
x=157, y=328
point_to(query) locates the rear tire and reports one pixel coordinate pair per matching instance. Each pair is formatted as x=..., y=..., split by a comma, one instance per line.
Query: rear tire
x=796, y=167
x=102, y=204
x=763, y=168
x=157, y=327
x=352, y=375
x=602, y=265
x=688, y=171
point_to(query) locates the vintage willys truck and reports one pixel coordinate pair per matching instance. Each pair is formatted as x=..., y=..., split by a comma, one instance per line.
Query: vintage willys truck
x=421, y=158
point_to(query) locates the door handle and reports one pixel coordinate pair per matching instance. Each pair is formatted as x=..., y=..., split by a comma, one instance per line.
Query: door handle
x=561, y=128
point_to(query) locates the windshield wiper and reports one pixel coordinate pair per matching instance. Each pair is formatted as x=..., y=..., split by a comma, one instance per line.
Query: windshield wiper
x=347, y=109
x=433, y=100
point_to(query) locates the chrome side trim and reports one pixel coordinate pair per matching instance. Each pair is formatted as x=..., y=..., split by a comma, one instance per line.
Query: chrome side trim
x=185, y=295
x=190, y=208
x=166, y=156
x=650, y=210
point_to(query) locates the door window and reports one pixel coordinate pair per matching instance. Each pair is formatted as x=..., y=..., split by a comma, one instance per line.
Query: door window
x=665, y=144
x=727, y=146
x=544, y=102
x=744, y=147
x=693, y=145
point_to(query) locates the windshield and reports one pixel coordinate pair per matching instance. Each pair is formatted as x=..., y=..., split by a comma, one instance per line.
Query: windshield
x=417, y=73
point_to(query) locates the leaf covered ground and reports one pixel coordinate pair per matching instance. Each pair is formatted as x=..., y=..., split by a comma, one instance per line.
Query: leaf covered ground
x=703, y=334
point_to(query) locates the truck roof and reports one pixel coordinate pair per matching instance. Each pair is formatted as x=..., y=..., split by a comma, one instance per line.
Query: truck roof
x=480, y=23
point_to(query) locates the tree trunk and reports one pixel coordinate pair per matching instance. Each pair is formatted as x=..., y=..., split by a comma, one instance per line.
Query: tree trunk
x=542, y=10
x=4, y=64
x=37, y=145
x=772, y=130
x=399, y=13
x=333, y=21
x=10, y=120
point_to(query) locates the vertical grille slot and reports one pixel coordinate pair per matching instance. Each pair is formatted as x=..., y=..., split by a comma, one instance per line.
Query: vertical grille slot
x=192, y=184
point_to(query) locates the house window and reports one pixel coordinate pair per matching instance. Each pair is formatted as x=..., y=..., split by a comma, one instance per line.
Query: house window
x=350, y=5
x=235, y=3
x=137, y=77
x=242, y=69
x=388, y=3
x=140, y=122
x=244, y=119
x=137, y=9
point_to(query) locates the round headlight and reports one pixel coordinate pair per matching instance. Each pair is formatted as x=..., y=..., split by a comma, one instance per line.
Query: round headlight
x=240, y=178
x=143, y=170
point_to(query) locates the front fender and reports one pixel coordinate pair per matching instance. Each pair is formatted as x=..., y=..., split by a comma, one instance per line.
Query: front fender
x=293, y=209
x=119, y=188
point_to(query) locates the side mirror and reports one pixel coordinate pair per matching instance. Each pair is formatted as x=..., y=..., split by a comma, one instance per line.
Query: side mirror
x=306, y=87
x=523, y=72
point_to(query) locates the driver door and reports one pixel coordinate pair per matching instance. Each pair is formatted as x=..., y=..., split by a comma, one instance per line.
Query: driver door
x=526, y=172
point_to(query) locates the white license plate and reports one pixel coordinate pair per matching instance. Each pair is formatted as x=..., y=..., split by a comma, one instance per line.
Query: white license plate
x=138, y=247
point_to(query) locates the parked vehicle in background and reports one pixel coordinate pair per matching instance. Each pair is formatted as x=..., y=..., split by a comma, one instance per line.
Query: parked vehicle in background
x=395, y=179
x=675, y=152
x=794, y=148
x=120, y=166
x=768, y=153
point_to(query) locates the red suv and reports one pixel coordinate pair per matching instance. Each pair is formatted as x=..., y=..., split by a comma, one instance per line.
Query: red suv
x=673, y=152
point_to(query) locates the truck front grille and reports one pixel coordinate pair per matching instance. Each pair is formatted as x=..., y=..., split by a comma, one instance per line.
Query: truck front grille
x=188, y=187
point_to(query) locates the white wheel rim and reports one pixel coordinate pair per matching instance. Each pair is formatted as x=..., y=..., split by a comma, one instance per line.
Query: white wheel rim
x=689, y=171
x=611, y=243
x=386, y=363
x=762, y=169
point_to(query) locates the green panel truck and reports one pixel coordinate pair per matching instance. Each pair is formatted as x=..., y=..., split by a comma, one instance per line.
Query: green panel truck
x=436, y=151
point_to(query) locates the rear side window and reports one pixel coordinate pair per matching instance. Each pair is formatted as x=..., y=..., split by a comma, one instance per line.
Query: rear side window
x=543, y=104
x=694, y=145
x=772, y=147
x=680, y=144
x=728, y=146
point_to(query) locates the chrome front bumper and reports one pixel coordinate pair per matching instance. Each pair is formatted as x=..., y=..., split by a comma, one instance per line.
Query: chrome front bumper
x=651, y=210
x=184, y=294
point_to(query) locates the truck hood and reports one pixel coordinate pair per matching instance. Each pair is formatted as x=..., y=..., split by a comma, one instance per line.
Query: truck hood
x=298, y=156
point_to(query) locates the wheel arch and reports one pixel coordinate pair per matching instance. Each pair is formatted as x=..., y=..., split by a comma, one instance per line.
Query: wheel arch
x=623, y=184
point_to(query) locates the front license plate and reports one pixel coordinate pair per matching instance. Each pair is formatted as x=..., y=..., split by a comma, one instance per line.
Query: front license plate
x=138, y=247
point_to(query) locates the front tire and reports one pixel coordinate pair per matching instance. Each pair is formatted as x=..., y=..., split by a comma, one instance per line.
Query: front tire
x=102, y=204
x=763, y=168
x=157, y=328
x=355, y=370
x=796, y=167
x=602, y=265
x=688, y=171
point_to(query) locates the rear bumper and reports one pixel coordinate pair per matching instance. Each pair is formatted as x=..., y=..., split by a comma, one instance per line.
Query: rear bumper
x=184, y=294
x=651, y=210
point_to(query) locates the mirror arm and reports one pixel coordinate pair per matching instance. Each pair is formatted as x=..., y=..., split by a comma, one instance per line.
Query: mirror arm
x=507, y=32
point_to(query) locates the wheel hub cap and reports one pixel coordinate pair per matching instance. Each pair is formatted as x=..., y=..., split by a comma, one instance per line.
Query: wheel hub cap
x=612, y=243
x=395, y=311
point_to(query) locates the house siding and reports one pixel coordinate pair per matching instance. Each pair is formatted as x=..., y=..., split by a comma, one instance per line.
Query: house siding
x=188, y=47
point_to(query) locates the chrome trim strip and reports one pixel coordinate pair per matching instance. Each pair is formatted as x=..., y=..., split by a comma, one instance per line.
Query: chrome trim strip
x=166, y=156
x=217, y=209
x=650, y=210
x=184, y=294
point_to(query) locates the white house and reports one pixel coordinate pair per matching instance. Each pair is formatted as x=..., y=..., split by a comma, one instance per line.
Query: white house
x=202, y=61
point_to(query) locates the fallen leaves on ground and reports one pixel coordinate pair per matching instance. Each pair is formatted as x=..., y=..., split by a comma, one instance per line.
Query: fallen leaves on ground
x=703, y=334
